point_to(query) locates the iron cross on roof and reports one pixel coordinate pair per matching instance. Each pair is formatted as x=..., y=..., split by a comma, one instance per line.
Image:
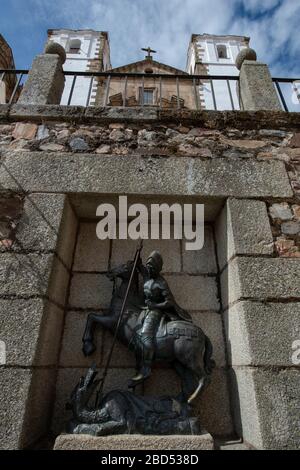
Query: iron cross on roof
x=149, y=50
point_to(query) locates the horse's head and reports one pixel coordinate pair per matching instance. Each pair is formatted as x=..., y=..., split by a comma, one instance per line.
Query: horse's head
x=122, y=271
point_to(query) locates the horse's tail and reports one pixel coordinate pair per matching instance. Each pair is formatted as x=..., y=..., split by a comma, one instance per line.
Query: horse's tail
x=209, y=363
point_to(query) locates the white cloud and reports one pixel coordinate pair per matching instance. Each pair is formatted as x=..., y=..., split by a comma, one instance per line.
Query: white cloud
x=166, y=25
x=259, y=6
x=275, y=37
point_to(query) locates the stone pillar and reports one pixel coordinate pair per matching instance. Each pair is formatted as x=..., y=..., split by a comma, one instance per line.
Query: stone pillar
x=261, y=321
x=256, y=89
x=34, y=278
x=46, y=81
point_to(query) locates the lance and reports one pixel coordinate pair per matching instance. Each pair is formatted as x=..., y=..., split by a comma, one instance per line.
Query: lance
x=102, y=381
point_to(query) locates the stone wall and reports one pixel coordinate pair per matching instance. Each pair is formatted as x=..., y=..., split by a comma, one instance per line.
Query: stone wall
x=236, y=146
x=59, y=163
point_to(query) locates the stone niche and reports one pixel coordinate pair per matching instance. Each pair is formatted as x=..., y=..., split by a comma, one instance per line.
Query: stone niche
x=193, y=278
x=235, y=289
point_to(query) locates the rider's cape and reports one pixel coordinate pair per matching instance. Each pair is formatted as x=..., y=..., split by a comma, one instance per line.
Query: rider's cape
x=176, y=311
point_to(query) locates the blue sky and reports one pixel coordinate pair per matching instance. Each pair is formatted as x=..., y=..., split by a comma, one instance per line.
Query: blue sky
x=165, y=25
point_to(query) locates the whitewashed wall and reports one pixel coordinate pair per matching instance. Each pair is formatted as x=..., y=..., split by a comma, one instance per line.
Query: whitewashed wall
x=217, y=66
x=79, y=62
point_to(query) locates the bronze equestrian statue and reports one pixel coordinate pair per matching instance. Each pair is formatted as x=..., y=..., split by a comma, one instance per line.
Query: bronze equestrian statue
x=155, y=327
x=160, y=304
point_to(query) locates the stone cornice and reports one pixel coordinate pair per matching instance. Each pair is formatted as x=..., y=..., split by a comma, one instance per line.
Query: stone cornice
x=206, y=119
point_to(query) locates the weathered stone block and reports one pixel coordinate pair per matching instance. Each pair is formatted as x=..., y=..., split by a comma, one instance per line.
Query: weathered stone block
x=290, y=228
x=211, y=324
x=194, y=292
x=267, y=410
x=79, y=145
x=56, y=112
x=24, y=131
x=243, y=228
x=48, y=223
x=25, y=405
x=142, y=114
x=86, y=205
x=15, y=385
x=51, y=147
x=91, y=253
x=31, y=330
x=33, y=275
x=38, y=406
x=260, y=278
x=281, y=211
x=42, y=132
x=257, y=90
x=242, y=179
x=134, y=442
x=214, y=405
x=245, y=407
x=219, y=177
x=46, y=81
x=201, y=261
x=123, y=250
x=91, y=291
x=67, y=234
x=262, y=334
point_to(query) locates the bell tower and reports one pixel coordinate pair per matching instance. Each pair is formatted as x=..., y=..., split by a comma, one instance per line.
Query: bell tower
x=210, y=54
x=87, y=51
x=215, y=54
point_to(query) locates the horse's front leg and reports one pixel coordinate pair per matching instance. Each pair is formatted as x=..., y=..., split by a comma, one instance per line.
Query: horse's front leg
x=88, y=336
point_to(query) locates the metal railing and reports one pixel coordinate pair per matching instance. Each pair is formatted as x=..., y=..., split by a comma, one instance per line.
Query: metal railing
x=14, y=79
x=173, y=91
x=217, y=92
x=288, y=90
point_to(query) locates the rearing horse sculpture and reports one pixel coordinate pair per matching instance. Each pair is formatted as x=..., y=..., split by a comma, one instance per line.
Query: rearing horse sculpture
x=180, y=343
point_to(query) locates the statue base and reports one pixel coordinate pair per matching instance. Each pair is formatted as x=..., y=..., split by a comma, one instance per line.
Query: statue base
x=202, y=441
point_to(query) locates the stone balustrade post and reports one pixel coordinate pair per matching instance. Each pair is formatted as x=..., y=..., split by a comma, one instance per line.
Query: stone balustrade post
x=256, y=89
x=46, y=81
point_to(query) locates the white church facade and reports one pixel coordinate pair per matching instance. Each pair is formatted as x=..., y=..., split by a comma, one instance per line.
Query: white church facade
x=89, y=51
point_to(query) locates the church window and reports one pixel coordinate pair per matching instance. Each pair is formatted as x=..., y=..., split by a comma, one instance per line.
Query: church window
x=75, y=46
x=222, y=51
x=148, y=96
